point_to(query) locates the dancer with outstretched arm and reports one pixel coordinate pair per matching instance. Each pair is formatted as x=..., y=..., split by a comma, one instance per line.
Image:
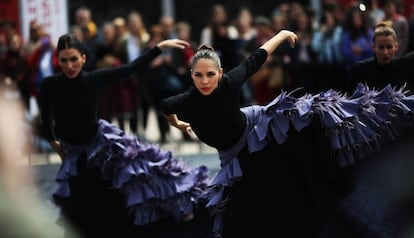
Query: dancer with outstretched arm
x=285, y=165
x=110, y=184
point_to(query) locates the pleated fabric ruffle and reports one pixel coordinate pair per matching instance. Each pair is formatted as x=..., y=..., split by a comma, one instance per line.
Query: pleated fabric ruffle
x=154, y=184
x=355, y=126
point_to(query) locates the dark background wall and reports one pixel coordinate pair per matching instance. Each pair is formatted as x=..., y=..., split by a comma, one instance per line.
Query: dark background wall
x=194, y=11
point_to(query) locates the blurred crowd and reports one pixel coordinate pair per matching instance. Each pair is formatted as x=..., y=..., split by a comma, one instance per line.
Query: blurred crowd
x=328, y=45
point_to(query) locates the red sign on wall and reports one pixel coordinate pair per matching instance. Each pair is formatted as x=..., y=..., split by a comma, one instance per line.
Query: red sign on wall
x=51, y=14
x=9, y=10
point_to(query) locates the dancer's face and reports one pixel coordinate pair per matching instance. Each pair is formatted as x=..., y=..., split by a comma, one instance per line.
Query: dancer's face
x=385, y=48
x=206, y=75
x=71, y=62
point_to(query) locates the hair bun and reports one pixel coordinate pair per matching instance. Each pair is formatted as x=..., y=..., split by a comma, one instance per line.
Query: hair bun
x=384, y=24
x=205, y=47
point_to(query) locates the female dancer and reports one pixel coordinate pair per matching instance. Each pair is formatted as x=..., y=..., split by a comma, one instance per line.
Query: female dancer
x=110, y=184
x=384, y=68
x=382, y=187
x=242, y=208
x=284, y=166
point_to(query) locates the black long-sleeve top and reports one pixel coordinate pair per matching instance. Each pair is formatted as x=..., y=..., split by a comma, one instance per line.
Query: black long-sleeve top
x=396, y=73
x=216, y=118
x=69, y=106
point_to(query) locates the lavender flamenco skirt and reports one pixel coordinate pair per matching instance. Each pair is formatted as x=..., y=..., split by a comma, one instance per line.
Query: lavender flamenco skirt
x=154, y=186
x=355, y=127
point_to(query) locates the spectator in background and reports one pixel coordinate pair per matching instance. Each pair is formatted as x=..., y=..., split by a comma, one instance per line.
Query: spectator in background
x=281, y=76
x=108, y=43
x=228, y=48
x=161, y=79
x=12, y=70
x=132, y=93
x=106, y=57
x=217, y=16
x=77, y=32
x=393, y=9
x=247, y=31
x=182, y=58
x=36, y=32
x=7, y=32
x=262, y=85
x=230, y=51
x=168, y=26
x=42, y=63
x=121, y=31
x=357, y=37
x=83, y=18
x=180, y=64
x=279, y=20
x=375, y=12
x=326, y=42
x=303, y=64
x=245, y=24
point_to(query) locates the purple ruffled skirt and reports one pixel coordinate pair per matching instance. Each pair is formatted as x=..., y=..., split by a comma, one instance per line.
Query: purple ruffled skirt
x=353, y=126
x=145, y=184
